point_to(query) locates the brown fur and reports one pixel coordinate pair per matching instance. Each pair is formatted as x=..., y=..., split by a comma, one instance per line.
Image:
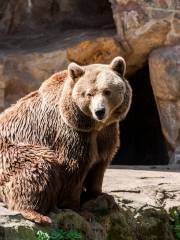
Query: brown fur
x=50, y=150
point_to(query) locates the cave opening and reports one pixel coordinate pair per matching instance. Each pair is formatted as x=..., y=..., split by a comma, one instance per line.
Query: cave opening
x=142, y=141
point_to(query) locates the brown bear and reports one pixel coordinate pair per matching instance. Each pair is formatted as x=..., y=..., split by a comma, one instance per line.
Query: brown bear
x=59, y=140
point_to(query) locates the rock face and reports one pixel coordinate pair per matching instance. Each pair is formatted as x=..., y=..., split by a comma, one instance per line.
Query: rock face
x=30, y=15
x=23, y=71
x=136, y=17
x=97, y=50
x=165, y=79
x=27, y=61
x=145, y=25
x=133, y=218
x=141, y=27
x=135, y=51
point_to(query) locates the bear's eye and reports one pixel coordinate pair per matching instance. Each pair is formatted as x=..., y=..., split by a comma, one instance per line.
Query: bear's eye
x=107, y=92
x=89, y=95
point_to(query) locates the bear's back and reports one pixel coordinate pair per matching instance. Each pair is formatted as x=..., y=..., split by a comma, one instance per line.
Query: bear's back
x=33, y=118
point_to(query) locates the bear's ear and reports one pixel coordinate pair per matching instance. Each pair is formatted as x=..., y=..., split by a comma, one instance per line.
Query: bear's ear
x=118, y=65
x=75, y=71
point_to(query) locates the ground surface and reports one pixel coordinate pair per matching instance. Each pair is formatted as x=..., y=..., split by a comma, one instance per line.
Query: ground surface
x=141, y=192
x=137, y=186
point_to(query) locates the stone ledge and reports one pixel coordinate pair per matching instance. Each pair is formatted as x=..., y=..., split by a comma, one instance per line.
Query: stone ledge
x=142, y=213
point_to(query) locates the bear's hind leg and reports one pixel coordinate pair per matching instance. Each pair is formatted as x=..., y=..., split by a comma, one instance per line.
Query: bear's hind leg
x=31, y=181
x=35, y=216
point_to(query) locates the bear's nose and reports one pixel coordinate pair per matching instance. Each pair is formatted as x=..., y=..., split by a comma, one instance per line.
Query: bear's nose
x=100, y=113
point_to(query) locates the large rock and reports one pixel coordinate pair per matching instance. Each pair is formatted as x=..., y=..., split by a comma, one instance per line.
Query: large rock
x=141, y=27
x=98, y=50
x=165, y=79
x=145, y=25
x=27, y=61
x=148, y=223
x=23, y=72
x=135, y=51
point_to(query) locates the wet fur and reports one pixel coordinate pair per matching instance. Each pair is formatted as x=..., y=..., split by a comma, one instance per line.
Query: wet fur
x=46, y=159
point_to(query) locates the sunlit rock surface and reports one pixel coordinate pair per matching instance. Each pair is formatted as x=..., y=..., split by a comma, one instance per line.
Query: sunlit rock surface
x=165, y=79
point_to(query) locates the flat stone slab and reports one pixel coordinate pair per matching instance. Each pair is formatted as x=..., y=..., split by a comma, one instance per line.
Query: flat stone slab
x=138, y=186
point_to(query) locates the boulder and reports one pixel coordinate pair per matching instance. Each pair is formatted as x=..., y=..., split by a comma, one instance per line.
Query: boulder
x=121, y=224
x=98, y=50
x=165, y=79
x=143, y=26
x=23, y=72
x=135, y=52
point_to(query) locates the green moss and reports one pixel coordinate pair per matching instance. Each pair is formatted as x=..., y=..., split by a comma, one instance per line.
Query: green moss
x=59, y=234
x=121, y=226
x=153, y=223
x=175, y=221
x=103, y=212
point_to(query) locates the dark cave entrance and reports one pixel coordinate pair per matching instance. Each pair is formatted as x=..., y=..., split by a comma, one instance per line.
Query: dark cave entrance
x=142, y=141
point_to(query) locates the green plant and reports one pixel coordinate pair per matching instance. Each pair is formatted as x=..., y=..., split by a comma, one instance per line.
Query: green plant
x=42, y=235
x=175, y=222
x=59, y=234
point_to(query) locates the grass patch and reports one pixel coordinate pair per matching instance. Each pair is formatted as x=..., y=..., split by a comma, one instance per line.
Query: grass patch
x=59, y=234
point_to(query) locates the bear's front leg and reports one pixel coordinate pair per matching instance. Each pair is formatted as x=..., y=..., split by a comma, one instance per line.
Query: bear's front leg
x=93, y=186
x=93, y=181
x=107, y=145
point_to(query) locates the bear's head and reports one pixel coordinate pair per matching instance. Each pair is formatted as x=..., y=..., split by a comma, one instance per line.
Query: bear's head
x=99, y=91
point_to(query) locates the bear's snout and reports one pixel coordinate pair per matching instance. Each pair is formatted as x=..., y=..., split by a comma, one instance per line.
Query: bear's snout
x=99, y=107
x=100, y=113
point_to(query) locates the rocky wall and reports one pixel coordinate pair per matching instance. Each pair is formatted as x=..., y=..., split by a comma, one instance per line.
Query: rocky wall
x=165, y=79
